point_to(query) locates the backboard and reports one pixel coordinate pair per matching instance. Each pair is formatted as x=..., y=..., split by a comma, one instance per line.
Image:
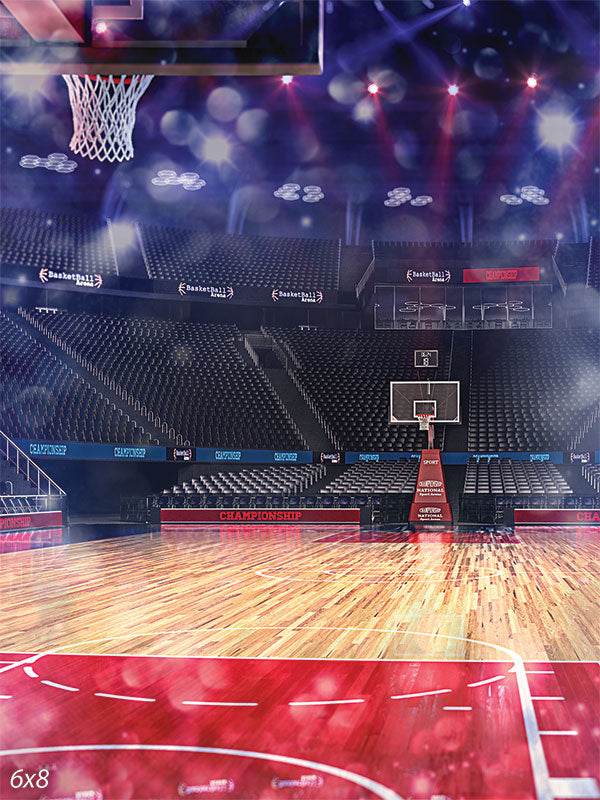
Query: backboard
x=161, y=37
x=440, y=399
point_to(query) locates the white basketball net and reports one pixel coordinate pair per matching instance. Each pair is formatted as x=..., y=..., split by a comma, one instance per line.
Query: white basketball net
x=425, y=421
x=104, y=114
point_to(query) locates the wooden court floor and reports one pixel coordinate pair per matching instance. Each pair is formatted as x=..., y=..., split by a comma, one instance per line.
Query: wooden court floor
x=283, y=592
x=260, y=663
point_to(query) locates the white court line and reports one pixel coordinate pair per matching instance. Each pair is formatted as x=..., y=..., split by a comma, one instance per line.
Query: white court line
x=488, y=680
x=29, y=671
x=323, y=702
x=539, y=765
x=544, y=671
x=418, y=694
x=578, y=788
x=559, y=733
x=207, y=703
x=126, y=697
x=59, y=651
x=60, y=686
x=378, y=789
x=458, y=708
x=542, y=697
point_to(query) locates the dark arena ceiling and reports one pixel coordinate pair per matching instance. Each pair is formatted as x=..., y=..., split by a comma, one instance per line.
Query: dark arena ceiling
x=247, y=136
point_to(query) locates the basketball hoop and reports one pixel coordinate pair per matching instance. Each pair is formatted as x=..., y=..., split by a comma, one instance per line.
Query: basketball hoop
x=104, y=114
x=425, y=421
x=426, y=424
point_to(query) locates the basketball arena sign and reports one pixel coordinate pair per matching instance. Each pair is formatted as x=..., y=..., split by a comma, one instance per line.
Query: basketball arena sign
x=557, y=516
x=214, y=292
x=91, y=281
x=287, y=516
x=428, y=276
x=35, y=519
x=303, y=297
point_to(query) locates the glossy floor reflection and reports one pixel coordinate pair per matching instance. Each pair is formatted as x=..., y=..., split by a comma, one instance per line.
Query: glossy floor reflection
x=257, y=661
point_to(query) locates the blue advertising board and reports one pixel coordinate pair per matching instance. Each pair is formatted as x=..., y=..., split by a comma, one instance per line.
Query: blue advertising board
x=92, y=451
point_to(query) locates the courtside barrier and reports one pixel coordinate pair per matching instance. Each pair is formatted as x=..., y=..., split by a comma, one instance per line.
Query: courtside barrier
x=30, y=520
x=557, y=516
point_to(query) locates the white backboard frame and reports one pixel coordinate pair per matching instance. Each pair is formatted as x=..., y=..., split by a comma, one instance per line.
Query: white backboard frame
x=394, y=421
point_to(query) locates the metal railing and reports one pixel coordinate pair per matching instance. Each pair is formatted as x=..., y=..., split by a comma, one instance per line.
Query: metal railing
x=28, y=468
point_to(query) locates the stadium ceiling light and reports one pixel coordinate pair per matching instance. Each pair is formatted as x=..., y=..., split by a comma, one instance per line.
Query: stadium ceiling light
x=533, y=194
x=532, y=81
x=556, y=130
x=287, y=79
x=216, y=149
x=372, y=88
x=101, y=27
x=466, y=3
x=401, y=194
x=453, y=90
x=291, y=191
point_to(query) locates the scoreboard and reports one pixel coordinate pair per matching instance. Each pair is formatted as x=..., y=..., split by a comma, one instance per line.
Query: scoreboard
x=426, y=359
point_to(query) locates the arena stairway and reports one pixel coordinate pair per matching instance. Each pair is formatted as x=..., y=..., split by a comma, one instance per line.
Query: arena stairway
x=261, y=347
x=19, y=483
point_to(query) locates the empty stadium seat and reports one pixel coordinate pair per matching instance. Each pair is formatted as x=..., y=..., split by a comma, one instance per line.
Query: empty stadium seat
x=227, y=259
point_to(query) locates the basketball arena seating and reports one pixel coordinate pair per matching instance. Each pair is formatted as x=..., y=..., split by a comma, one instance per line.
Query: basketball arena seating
x=58, y=242
x=188, y=375
x=591, y=472
x=573, y=260
x=246, y=487
x=532, y=390
x=494, y=487
x=593, y=269
x=260, y=261
x=508, y=476
x=484, y=253
x=385, y=477
x=345, y=377
x=44, y=399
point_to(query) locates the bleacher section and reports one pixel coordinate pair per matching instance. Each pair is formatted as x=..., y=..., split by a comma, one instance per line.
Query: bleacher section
x=58, y=242
x=507, y=476
x=188, y=375
x=593, y=267
x=386, y=477
x=482, y=253
x=591, y=473
x=494, y=488
x=345, y=376
x=228, y=259
x=532, y=390
x=246, y=487
x=572, y=261
x=44, y=399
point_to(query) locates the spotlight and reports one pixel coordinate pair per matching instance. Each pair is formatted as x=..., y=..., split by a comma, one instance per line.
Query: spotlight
x=287, y=79
x=101, y=27
x=466, y=3
x=532, y=81
x=216, y=149
x=372, y=88
x=556, y=130
x=453, y=89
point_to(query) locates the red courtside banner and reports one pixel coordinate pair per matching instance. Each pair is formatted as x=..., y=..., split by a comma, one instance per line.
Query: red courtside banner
x=501, y=274
x=557, y=516
x=35, y=519
x=430, y=503
x=203, y=516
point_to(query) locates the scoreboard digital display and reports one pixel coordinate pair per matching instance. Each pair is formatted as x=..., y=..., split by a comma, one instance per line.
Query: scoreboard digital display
x=501, y=274
x=426, y=359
